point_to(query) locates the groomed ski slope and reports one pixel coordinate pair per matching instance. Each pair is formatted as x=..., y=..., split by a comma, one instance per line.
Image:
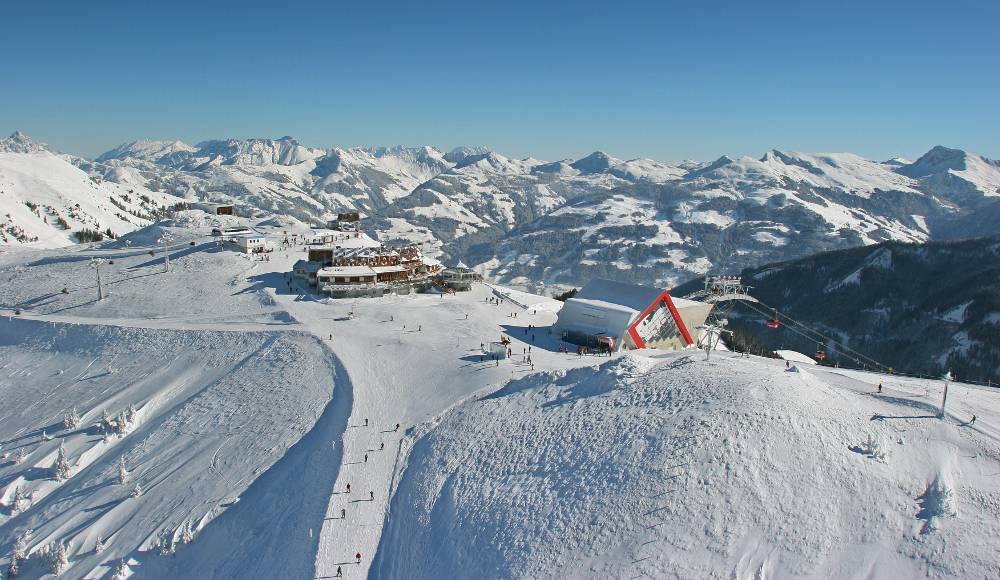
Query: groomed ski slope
x=671, y=466
x=214, y=409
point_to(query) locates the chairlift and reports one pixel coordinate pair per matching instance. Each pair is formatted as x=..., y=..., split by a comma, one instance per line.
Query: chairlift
x=773, y=323
x=820, y=355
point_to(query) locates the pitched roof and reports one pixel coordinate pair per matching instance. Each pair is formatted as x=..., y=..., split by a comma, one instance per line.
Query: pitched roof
x=630, y=295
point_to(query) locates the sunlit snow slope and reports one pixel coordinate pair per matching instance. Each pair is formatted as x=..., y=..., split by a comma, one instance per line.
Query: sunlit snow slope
x=681, y=467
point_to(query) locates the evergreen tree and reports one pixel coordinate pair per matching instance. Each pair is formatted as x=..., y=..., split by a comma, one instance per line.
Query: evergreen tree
x=122, y=424
x=121, y=572
x=187, y=534
x=99, y=545
x=63, y=468
x=71, y=420
x=122, y=471
x=20, y=502
x=58, y=559
x=137, y=490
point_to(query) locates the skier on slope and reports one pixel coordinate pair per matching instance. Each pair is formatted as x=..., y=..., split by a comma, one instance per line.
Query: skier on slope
x=880, y=387
x=340, y=573
x=358, y=557
x=366, y=458
x=343, y=513
x=381, y=446
x=973, y=420
x=372, y=494
x=348, y=488
x=397, y=426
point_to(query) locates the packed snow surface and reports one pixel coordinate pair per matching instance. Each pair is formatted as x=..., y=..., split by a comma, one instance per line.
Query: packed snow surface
x=243, y=404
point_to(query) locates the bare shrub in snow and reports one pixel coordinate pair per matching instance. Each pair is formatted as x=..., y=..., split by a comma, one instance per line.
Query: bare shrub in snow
x=872, y=447
x=71, y=420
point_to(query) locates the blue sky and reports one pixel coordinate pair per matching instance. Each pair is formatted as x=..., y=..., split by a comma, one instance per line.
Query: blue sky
x=655, y=79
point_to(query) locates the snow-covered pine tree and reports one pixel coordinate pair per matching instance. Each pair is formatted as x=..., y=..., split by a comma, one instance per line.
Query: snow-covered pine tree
x=20, y=456
x=20, y=552
x=137, y=490
x=20, y=501
x=58, y=559
x=71, y=420
x=106, y=424
x=165, y=543
x=63, y=468
x=131, y=415
x=12, y=568
x=121, y=424
x=122, y=471
x=121, y=572
x=187, y=534
x=21, y=545
x=99, y=545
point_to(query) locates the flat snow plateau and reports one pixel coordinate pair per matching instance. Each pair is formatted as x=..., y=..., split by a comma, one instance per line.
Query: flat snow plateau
x=256, y=403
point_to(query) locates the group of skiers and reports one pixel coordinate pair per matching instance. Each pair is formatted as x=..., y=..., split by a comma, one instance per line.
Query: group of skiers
x=371, y=495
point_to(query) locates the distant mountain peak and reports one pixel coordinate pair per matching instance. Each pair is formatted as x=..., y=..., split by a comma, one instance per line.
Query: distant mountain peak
x=18, y=142
x=938, y=160
x=458, y=155
x=596, y=162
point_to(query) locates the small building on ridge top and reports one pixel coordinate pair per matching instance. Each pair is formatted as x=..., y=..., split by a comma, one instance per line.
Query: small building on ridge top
x=613, y=315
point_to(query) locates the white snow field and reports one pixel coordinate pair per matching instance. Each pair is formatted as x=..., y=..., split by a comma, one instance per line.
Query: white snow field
x=256, y=403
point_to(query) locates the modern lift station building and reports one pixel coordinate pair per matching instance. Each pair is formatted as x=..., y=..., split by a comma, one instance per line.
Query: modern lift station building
x=615, y=315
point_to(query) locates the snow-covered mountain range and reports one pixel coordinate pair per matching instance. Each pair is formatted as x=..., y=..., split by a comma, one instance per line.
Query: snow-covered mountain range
x=529, y=222
x=47, y=201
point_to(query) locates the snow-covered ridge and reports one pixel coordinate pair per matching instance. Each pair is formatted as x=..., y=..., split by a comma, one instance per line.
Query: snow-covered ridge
x=45, y=201
x=680, y=467
x=525, y=220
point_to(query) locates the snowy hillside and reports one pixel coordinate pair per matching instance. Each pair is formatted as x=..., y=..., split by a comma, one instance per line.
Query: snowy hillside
x=674, y=466
x=240, y=407
x=45, y=201
x=926, y=308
